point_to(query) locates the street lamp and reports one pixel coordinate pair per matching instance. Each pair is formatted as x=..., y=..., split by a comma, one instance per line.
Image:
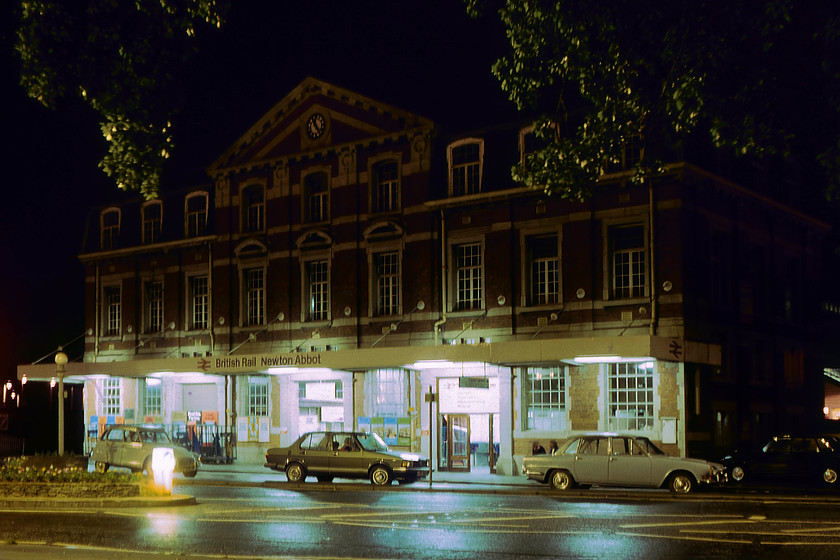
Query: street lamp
x=60, y=360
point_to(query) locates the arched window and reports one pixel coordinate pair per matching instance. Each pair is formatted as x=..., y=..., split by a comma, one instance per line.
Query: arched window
x=110, y=228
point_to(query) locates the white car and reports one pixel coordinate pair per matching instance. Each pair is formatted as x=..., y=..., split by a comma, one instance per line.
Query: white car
x=132, y=446
x=608, y=459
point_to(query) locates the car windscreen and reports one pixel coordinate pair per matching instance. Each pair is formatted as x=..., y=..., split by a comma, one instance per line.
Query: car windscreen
x=372, y=442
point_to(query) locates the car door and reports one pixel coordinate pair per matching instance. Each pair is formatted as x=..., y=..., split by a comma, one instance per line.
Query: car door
x=629, y=465
x=774, y=461
x=132, y=454
x=112, y=440
x=591, y=464
x=315, y=452
x=349, y=459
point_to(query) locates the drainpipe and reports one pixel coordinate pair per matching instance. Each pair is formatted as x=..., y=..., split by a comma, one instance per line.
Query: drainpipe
x=654, y=304
x=97, y=312
x=210, y=298
x=442, y=319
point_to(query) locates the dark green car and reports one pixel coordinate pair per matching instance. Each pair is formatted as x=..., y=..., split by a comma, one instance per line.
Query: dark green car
x=328, y=455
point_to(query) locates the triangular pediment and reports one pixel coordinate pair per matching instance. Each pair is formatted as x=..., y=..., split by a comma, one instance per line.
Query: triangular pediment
x=314, y=117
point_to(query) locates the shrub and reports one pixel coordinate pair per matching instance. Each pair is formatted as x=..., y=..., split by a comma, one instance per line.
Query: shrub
x=15, y=469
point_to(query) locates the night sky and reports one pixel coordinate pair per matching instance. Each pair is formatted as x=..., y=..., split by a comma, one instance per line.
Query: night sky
x=428, y=57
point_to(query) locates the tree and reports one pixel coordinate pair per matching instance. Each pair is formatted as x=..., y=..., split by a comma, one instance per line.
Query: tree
x=123, y=59
x=757, y=77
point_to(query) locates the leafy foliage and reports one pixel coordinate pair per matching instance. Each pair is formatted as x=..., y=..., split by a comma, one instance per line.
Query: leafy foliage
x=749, y=75
x=14, y=469
x=123, y=59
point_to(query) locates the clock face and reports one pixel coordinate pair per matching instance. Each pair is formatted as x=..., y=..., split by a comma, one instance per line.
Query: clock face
x=316, y=124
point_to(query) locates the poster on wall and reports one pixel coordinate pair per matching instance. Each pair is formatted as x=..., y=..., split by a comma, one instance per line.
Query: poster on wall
x=263, y=429
x=404, y=431
x=389, y=432
x=242, y=428
x=364, y=424
x=377, y=426
x=253, y=428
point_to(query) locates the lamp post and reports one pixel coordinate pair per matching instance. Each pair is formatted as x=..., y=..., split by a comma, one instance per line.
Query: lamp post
x=60, y=360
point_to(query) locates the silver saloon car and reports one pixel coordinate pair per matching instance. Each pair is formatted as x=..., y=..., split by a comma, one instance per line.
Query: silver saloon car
x=608, y=459
x=131, y=447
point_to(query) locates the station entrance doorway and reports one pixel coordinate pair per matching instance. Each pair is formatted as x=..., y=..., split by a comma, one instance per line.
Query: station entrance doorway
x=468, y=424
x=468, y=442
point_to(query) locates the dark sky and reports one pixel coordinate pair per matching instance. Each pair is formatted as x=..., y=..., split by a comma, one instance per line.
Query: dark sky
x=426, y=56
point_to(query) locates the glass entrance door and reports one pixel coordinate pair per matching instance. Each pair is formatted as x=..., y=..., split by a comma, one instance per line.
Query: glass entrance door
x=455, y=443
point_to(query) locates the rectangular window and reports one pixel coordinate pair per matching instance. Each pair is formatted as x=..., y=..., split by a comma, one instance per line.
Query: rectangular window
x=468, y=276
x=154, y=306
x=318, y=290
x=544, y=398
x=199, y=302
x=196, y=220
x=113, y=310
x=627, y=245
x=152, y=401
x=465, y=168
x=387, y=391
x=257, y=396
x=110, y=229
x=630, y=396
x=387, y=283
x=111, y=397
x=317, y=197
x=386, y=186
x=253, y=208
x=152, y=215
x=254, y=279
x=545, y=270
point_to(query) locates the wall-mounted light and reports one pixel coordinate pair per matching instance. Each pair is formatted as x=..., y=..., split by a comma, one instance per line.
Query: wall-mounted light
x=581, y=293
x=667, y=286
x=129, y=329
x=501, y=300
x=347, y=311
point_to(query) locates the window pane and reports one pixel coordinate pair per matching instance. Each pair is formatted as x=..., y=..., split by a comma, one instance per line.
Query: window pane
x=196, y=215
x=545, y=270
x=631, y=396
x=386, y=184
x=113, y=311
x=317, y=197
x=468, y=279
x=388, y=283
x=200, y=301
x=544, y=398
x=466, y=167
x=253, y=204
x=255, y=296
x=151, y=223
x=319, y=296
x=154, y=307
x=628, y=261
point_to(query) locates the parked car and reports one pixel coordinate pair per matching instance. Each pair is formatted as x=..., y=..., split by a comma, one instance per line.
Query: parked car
x=810, y=459
x=328, y=455
x=610, y=459
x=132, y=447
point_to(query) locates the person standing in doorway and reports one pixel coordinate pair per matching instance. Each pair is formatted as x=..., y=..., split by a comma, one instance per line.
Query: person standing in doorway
x=537, y=449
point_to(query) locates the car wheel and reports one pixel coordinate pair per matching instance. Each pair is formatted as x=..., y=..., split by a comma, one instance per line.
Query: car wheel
x=738, y=473
x=681, y=483
x=325, y=479
x=295, y=472
x=830, y=476
x=380, y=476
x=561, y=480
x=101, y=467
x=190, y=474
